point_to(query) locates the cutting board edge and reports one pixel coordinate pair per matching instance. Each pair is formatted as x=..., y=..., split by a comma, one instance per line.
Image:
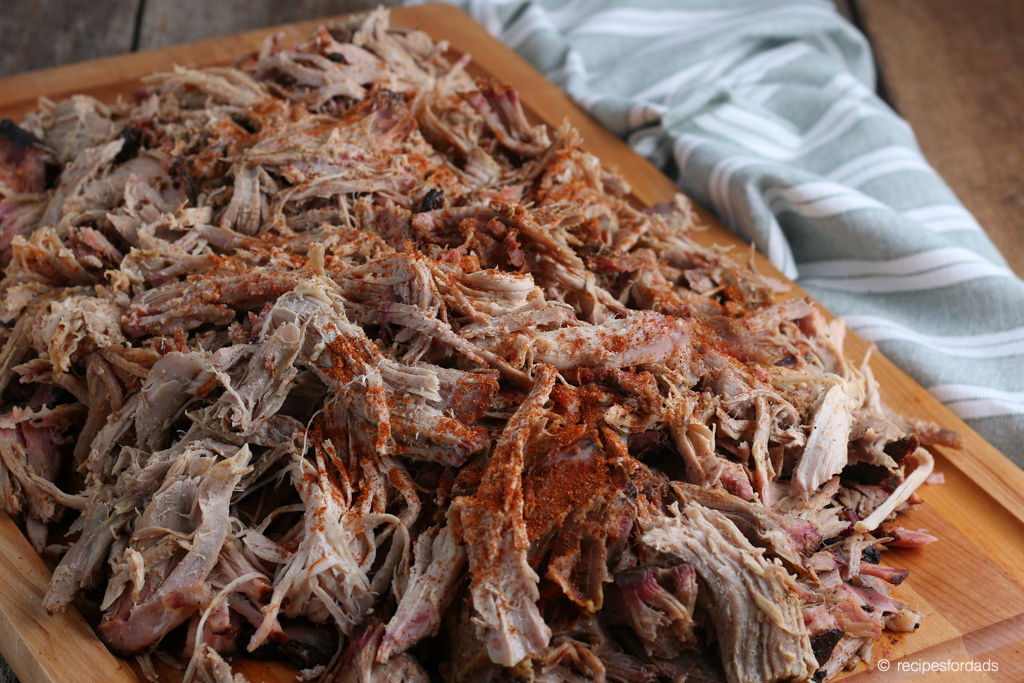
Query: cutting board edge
x=28, y=634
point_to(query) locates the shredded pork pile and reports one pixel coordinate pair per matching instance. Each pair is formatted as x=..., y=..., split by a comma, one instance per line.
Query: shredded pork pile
x=333, y=357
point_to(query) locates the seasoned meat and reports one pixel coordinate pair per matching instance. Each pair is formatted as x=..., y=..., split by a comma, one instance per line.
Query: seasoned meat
x=503, y=585
x=754, y=604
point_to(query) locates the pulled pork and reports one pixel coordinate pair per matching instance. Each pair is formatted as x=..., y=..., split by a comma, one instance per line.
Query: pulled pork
x=334, y=357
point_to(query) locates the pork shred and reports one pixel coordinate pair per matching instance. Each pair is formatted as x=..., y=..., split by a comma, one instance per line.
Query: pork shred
x=334, y=356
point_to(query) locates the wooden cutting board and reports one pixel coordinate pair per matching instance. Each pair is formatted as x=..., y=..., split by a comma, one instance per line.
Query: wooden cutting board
x=970, y=585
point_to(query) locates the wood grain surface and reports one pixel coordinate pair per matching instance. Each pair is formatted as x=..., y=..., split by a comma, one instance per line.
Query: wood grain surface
x=38, y=646
x=170, y=22
x=955, y=71
x=37, y=34
x=970, y=585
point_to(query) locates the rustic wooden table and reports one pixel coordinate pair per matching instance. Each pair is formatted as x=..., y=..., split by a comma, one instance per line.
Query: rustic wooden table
x=955, y=70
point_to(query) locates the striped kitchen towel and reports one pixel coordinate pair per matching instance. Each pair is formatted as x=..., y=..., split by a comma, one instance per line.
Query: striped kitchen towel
x=765, y=112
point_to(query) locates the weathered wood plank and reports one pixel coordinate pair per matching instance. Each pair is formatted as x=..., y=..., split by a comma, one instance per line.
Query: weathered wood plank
x=169, y=22
x=37, y=34
x=955, y=71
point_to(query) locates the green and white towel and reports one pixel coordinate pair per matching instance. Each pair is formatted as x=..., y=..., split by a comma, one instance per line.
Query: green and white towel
x=765, y=112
